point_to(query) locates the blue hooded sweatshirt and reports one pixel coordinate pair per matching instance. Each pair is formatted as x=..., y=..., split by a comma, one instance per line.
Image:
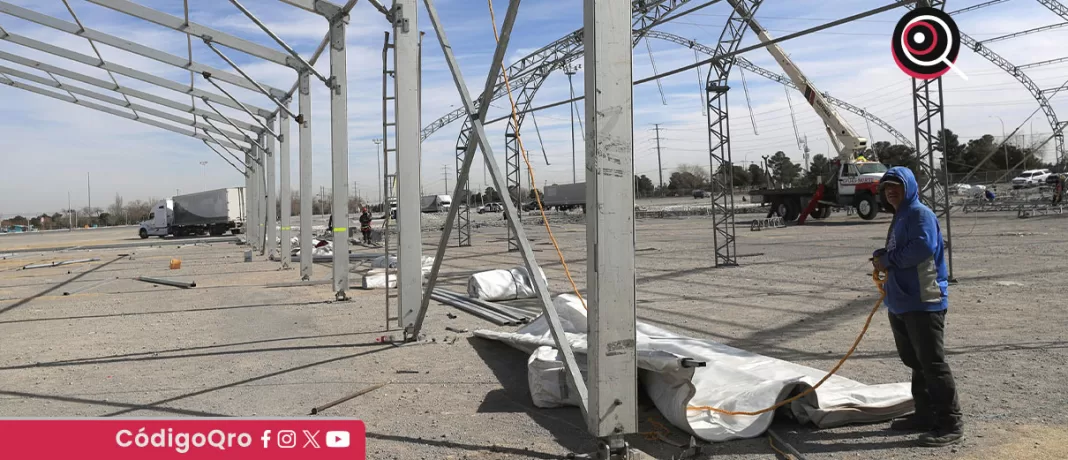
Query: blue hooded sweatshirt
x=917, y=278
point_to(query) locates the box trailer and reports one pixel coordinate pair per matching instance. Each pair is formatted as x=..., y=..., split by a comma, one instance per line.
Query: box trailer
x=435, y=203
x=213, y=212
x=565, y=197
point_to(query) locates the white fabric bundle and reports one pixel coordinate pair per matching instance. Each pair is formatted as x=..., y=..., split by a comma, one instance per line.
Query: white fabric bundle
x=495, y=285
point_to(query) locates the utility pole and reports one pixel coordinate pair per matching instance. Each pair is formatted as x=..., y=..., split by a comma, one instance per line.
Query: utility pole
x=378, y=155
x=659, y=165
x=570, y=70
x=445, y=174
x=1004, y=142
x=70, y=214
x=89, y=196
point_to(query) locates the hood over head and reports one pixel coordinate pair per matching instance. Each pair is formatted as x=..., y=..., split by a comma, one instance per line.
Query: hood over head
x=904, y=176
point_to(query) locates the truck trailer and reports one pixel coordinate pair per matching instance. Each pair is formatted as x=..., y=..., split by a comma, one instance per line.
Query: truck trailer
x=435, y=203
x=213, y=212
x=565, y=197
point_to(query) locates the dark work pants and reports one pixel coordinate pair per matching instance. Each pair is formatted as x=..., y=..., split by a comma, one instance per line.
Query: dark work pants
x=921, y=346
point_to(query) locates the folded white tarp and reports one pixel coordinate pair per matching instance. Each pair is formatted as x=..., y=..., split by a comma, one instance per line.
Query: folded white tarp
x=732, y=379
x=495, y=285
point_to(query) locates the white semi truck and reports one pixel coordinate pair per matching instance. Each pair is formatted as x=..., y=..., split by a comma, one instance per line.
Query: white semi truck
x=435, y=203
x=213, y=212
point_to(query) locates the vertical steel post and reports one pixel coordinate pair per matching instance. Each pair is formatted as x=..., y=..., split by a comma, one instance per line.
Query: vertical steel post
x=265, y=159
x=339, y=149
x=612, y=355
x=272, y=191
x=304, y=104
x=254, y=200
x=286, y=219
x=246, y=198
x=406, y=79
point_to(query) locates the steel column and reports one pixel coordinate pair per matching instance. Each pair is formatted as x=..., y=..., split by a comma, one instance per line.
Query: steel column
x=286, y=219
x=304, y=104
x=406, y=112
x=612, y=355
x=272, y=190
x=339, y=149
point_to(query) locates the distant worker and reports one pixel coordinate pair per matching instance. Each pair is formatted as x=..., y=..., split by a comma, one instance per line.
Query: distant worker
x=917, y=299
x=365, y=225
x=861, y=159
x=1058, y=189
x=989, y=195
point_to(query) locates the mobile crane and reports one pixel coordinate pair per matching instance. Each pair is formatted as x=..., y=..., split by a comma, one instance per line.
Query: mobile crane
x=851, y=183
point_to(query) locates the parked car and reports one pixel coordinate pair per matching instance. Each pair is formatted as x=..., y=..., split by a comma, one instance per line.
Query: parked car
x=698, y=194
x=1054, y=178
x=491, y=207
x=1031, y=178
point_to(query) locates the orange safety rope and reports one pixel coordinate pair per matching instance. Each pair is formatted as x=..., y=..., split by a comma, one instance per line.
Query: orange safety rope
x=879, y=278
x=530, y=170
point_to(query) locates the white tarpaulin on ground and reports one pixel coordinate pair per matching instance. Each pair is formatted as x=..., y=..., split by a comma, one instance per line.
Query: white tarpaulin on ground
x=732, y=379
x=494, y=285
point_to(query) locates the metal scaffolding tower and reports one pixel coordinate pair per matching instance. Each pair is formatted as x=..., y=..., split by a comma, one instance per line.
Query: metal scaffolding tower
x=719, y=142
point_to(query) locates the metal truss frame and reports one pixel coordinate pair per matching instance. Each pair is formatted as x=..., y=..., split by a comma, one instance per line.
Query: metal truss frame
x=526, y=76
x=719, y=142
x=477, y=115
x=782, y=79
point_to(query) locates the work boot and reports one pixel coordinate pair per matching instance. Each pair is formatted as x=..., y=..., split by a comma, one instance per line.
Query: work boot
x=941, y=437
x=913, y=423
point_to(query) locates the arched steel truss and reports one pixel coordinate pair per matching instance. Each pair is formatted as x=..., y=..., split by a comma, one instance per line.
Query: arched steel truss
x=526, y=77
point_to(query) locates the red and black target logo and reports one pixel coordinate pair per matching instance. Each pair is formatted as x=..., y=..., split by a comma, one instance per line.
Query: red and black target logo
x=925, y=43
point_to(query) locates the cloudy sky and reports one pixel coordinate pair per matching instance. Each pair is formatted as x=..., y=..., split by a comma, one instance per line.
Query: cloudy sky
x=49, y=147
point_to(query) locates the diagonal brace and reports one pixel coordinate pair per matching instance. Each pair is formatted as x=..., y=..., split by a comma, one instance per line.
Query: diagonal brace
x=306, y=65
x=549, y=310
x=248, y=138
x=207, y=41
x=244, y=173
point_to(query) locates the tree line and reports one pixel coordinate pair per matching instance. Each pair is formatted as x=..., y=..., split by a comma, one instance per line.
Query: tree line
x=960, y=157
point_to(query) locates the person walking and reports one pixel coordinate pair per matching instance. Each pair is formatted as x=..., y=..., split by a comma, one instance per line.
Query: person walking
x=917, y=300
x=365, y=226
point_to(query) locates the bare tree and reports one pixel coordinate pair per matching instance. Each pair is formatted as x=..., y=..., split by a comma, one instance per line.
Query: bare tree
x=697, y=171
x=116, y=211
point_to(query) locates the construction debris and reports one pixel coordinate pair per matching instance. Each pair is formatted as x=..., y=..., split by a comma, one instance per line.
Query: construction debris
x=180, y=284
x=770, y=222
x=316, y=410
x=65, y=262
x=499, y=314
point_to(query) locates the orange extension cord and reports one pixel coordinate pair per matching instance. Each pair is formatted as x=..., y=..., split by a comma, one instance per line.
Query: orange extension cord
x=530, y=170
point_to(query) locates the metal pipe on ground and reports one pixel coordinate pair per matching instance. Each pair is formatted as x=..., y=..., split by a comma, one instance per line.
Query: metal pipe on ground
x=476, y=310
x=179, y=284
x=65, y=262
x=316, y=410
x=504, y=310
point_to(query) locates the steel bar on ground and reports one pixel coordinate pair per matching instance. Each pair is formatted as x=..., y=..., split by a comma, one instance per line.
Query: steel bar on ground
x=555, y=327
x=501, y=309
x=180, y=284
x=316, y=410
x=476, y=310
x=65, y=262
x=285, y=221
x=407, y=94
x=612, y=337
x=304, y=129
x=785, y=445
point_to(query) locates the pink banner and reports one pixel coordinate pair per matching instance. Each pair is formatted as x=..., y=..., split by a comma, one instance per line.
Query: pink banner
x=189, y=438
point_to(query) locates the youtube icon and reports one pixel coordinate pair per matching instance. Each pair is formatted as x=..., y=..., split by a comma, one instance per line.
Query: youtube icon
x=337, y=439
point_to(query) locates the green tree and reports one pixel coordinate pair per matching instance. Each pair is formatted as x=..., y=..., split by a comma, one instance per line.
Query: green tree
x=757, y=177
x=819, y=167
x=783, y=170
x=643, y=185
x=492, y=195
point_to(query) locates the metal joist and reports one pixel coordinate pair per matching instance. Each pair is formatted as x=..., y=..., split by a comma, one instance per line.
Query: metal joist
x=122, y=44
x=1056, y=7
x=51, y=69
x=235, y=137
x=977, y=6
x=204, y=33
x=783, y=79
x=123, y=70
x=109, y=110
x=1025, y=32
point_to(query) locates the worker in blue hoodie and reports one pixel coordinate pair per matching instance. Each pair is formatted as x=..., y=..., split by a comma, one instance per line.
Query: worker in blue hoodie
x=916, y=297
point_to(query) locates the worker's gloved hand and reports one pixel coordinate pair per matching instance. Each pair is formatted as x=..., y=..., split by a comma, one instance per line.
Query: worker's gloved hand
x=877, y=261
x=878, y=253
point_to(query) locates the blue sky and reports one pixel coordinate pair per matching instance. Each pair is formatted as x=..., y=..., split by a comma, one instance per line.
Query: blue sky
x=47, y=147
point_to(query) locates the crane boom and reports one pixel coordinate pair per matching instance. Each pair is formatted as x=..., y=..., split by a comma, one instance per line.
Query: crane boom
x=845, y=139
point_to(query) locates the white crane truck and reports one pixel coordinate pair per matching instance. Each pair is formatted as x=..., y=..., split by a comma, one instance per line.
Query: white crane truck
x=851, y=183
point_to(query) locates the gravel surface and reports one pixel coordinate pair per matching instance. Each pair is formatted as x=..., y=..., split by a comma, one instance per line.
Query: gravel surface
x=230, y=346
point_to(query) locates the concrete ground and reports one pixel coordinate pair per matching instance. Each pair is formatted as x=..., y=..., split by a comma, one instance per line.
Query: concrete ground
x=89, y=340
